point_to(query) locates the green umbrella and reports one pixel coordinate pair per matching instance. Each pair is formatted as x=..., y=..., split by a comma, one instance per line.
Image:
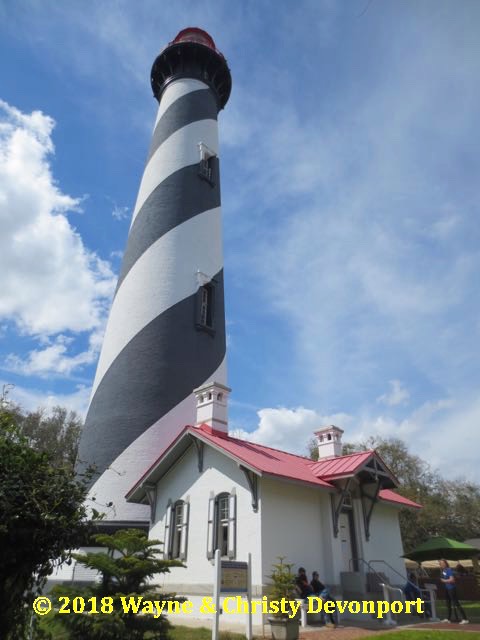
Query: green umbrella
x=437, y=548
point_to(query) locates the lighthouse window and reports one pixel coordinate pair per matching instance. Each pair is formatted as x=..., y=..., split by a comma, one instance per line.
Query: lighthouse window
x=206, y=307
x=206, y=169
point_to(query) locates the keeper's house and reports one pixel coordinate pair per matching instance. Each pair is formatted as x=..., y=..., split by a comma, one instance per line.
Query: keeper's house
x=209, y=491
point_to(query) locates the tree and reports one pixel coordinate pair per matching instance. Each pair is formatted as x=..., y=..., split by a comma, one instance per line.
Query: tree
x=126, y=569
x=451, y=508
x=283, y=584
x=57, y=432
x=41, y=517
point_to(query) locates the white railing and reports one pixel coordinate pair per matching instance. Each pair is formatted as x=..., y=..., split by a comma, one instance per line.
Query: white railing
x=428, y=593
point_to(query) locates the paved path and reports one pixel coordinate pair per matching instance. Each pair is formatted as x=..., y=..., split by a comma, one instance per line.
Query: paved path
x=444, y=626
x=352, y=633
x=340, y=633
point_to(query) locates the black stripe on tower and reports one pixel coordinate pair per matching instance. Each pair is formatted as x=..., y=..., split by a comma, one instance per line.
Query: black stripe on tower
x=175, y=200
x=129, y=399
x=196, y=105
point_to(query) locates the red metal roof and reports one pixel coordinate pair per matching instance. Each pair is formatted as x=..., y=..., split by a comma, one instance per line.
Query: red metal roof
x=266, y=460
x=391, y=496
x=341, y=466
x=262, y=458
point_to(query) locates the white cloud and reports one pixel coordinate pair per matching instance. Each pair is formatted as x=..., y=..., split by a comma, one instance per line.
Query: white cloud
x=54, y=358
x=397, y=394
x=363, y=237
x=290, y=429
x=120, y=213
x=444, y=433
x=31, y=399
x=51, y=282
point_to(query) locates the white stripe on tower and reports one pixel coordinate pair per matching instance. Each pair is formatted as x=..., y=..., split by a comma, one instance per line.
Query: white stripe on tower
x=177, y=255
x=177, y=89
x=178, y=151
x=122, y=474
x=157, y=348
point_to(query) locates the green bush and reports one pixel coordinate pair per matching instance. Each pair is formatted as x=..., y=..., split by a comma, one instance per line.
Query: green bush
x=126, y=568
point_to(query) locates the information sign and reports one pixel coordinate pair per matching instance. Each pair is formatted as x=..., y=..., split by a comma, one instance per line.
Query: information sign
x=234, y=577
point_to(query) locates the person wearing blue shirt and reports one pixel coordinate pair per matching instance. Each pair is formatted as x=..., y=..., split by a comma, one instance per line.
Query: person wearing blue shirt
x=451, y=598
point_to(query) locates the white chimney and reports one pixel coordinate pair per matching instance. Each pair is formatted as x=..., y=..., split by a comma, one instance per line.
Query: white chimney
x=329, y=441
x=212, y=406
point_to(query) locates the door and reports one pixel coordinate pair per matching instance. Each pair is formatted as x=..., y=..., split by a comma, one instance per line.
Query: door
x=345, y=535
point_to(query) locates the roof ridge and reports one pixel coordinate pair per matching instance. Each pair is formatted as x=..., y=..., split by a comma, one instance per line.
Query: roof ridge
x=347, y=455
x=296, y=455
x=265, y=446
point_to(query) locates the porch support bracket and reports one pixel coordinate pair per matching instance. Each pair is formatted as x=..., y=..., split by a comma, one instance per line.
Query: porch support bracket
x=338, y=501
x=199, y=449
x=151, y=493
x=368, y=504
x=252, y=480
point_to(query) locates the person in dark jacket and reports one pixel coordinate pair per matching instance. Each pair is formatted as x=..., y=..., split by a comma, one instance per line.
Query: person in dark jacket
x=320, y=590
x=303, y=587
x=317, y=586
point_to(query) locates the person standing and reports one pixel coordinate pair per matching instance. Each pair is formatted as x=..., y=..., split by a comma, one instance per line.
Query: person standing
x=451, y=597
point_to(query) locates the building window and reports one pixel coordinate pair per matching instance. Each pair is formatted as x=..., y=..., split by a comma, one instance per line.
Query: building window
x=176, y=531
x=222, y=525
x=221, y=528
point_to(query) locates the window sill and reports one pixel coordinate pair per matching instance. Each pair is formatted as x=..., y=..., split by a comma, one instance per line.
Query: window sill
x=203, y=327
x=210, y=181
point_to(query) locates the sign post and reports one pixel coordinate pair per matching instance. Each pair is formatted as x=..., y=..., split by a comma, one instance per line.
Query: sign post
x=249, y=598
x=216, y=594
x=232, y=578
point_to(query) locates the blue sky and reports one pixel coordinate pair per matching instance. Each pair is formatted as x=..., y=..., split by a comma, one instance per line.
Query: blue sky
x=350, y=163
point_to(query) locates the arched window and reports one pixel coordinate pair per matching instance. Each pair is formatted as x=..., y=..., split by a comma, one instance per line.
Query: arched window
x=176, y=531
x=222, y=525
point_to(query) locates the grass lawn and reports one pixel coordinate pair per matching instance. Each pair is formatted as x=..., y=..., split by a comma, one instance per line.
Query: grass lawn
x=472, y=609
x=188, y=633
x=428, y=634
x=48, y=623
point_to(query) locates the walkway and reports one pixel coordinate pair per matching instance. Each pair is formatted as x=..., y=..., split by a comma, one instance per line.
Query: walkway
x=352, y=633
x=340, y=633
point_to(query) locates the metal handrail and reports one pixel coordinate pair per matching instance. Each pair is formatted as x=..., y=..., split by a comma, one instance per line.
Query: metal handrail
x=368, y=565
x=363, y=561
x=418, y=587
x=388, y=587
x=390, y=567
x=394, y=570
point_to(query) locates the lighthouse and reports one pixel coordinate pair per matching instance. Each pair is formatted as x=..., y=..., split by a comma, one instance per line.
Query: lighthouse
x=165, y=335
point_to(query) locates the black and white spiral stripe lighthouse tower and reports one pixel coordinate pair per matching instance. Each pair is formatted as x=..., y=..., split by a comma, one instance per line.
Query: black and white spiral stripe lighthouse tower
x=166, y=330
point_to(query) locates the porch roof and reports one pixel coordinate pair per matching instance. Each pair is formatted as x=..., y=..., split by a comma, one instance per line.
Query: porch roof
x=341, y=466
